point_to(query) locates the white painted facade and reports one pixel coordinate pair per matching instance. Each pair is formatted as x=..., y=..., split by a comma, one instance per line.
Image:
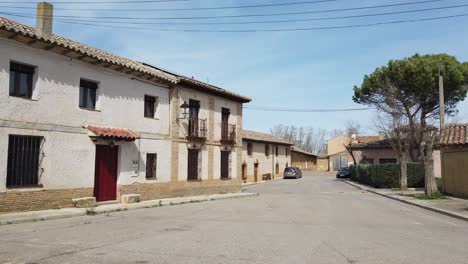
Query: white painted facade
x=54, y=113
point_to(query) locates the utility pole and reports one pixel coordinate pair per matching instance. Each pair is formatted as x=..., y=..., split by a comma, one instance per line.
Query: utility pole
x=441, y=101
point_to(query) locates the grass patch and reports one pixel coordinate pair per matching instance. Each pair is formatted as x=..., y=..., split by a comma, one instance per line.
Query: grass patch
x=434, y=196
x=90, y=212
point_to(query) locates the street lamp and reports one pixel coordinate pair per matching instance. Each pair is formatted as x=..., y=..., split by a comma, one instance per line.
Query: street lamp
x=184, y=108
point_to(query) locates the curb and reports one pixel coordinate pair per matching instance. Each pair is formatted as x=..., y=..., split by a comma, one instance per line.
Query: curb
x=36, y=216
x=430, y=208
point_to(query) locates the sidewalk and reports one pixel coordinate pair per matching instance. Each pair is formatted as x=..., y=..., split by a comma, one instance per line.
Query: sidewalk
x=454, y=207
x=34, y=216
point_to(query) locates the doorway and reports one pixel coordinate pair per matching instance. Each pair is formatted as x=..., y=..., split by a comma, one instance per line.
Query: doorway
x=105, y=173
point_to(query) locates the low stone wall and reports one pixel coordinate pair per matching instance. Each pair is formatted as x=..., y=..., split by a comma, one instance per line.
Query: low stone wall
x=152, y=191
x=17, y=201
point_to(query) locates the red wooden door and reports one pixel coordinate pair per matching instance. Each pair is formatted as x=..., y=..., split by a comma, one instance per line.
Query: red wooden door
x=105, y=178
x=192, y=166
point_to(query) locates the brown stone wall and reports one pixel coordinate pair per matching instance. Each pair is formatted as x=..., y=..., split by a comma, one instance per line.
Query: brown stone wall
x=303, y=161
x=17, y=201
x=322, y=164
x=454, y=171
x=154, y=191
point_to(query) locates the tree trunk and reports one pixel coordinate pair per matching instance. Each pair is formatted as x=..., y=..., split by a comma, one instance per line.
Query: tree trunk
x=404, y=172
x=430, y=186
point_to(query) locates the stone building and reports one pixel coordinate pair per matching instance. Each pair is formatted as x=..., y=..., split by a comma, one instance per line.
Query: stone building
x=264, y=156
x=303, y=159
x=77, y=121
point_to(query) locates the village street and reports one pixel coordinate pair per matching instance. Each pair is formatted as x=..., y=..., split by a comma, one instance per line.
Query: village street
x=316, y=219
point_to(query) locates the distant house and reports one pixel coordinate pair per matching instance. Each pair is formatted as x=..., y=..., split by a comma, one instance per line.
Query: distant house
x=454, y=157
x=264, y=156
x=303, y=159
x=338, y=156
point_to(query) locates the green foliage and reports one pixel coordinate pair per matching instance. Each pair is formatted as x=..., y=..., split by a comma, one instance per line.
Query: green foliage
x=434, y=196
x=413, y=82
x=388, y=175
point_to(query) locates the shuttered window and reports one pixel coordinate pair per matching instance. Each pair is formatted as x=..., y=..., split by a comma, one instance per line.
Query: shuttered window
x=21, y=80
x=23, y=161
x=249, y=149
x=151, y=165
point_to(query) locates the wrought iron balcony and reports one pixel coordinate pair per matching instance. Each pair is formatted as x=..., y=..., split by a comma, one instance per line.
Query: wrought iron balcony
x=228, y=133
x=197, y=128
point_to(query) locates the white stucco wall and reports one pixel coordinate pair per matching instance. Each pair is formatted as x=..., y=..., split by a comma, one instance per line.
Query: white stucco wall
x=54, y=113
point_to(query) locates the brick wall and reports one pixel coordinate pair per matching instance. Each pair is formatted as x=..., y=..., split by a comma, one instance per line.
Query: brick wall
x=16, y=201
x=179, y=189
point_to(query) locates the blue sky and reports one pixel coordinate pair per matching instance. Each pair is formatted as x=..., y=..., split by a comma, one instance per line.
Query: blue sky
x=300, y=69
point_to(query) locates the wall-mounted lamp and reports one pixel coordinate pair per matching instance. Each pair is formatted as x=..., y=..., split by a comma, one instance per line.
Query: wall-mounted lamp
x=184, y=108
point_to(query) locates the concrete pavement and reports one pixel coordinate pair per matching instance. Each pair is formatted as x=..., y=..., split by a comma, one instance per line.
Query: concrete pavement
x=316, y=219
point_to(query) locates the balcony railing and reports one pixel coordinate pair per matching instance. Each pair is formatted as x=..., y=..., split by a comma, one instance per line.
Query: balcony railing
x=197, y=128
x=228, y=132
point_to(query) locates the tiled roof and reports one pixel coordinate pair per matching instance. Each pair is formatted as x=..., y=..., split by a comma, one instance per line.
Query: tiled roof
x=365, y=139
x=258, y=136
x=106, y=57
x=376, y=144
x=108, y=132
x=297, y=149
x=454, y=134
x=206, y=87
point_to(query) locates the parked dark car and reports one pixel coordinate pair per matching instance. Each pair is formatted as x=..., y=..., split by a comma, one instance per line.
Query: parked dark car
x=292, y=172
x=344, y=173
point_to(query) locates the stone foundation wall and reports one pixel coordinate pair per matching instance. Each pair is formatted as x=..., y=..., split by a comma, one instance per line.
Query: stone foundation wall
x=17, y=201
x=152, y=191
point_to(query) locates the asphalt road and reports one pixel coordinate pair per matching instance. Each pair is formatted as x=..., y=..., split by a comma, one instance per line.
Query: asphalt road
x=316, y=220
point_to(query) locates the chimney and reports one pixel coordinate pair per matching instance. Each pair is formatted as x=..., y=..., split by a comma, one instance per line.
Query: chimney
x=44, y=18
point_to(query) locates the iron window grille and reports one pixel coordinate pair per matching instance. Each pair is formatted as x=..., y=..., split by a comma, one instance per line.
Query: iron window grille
x=24, y=159
x=151, y=165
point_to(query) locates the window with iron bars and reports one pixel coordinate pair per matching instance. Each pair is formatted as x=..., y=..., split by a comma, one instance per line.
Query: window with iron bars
x=23, y=161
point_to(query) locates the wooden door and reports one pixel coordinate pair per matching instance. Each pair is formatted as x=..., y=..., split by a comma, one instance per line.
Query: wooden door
x=244, y=171
x=225, y=164
x=256, y=172
x=192, y=167
x=105, y=178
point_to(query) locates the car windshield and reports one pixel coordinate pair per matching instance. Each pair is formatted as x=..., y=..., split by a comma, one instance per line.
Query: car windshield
x=289, y=169
x=345, y=169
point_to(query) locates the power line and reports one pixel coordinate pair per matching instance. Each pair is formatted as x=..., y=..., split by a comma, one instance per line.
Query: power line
x=96, y=2
x=268, y=21
x=273, y=30
x=275, y=109
x=251, y=15
x=183, y=9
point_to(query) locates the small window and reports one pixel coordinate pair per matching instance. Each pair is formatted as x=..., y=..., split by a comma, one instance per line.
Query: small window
x=23, y=161
x=88, y=94
x=387, y=161
x=249, y=149
x=150, y=106
x=287, y=151
x=276, y=151
x=151, y=165
x=21, y=80
x=267, y=150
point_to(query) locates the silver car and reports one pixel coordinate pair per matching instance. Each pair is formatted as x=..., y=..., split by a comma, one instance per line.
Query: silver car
x=292, y=172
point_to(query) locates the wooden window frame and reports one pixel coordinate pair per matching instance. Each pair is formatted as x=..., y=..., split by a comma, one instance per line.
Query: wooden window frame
x=249, y=149
x=151, y=169
x=267, y=150
x=87, y=85
x=21, y=68
x=150, y=101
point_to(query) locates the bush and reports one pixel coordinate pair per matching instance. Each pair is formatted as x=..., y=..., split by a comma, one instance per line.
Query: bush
x=388, y=175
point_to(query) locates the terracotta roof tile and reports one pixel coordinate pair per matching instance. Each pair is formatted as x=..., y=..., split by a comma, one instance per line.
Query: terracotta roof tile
x=258, y=136
x=106, y=57
x=454, y=134
x=365, y=139
x=108, y=132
